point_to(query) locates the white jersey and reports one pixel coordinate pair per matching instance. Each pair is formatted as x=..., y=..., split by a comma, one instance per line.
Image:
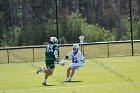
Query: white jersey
x=76, y=57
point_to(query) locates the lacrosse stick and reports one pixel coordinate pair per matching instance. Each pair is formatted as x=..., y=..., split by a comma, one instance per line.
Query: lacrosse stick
x=81, y=43
x=82, y=48
x=62, y=62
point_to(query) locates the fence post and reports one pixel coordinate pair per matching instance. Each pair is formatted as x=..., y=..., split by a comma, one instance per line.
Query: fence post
x=33, y=54
x=108, y=49
x=8, y=56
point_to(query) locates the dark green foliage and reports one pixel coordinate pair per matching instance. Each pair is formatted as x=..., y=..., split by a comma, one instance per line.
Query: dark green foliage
x=33, y=22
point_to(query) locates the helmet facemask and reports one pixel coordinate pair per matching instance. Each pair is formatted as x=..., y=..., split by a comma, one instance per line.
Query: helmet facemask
x=75, y=48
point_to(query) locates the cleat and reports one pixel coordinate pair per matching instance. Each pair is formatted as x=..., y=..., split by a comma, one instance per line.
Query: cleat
x=40, y=69
x=68, y=80
x=43, y=83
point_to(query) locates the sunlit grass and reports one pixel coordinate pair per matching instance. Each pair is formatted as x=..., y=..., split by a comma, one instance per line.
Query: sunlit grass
x=98, y=75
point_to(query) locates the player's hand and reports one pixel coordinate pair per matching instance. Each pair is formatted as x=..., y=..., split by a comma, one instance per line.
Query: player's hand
x=57, y=61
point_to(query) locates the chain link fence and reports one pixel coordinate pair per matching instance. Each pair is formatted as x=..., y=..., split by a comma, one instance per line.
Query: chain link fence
x=91, y=50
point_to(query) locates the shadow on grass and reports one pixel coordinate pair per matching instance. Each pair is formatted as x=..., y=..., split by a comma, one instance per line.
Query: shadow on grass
x=72, y=81
x=48, y=85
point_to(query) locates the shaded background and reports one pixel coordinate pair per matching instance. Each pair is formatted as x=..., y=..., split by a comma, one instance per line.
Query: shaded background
x=32, y=22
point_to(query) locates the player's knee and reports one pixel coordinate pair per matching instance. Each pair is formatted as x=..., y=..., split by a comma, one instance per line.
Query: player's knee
x=48, y=72
x=73, y=69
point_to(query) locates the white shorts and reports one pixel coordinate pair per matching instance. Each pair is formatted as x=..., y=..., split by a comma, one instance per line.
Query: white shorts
x=76, y=65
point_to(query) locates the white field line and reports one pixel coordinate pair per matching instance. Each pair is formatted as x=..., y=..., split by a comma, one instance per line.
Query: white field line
x=64, y=87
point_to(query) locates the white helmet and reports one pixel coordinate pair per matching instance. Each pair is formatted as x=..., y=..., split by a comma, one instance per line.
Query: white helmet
x=53, y=40
x=75, y=46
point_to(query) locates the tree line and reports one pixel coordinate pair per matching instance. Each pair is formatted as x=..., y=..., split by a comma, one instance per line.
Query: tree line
x=32, y=22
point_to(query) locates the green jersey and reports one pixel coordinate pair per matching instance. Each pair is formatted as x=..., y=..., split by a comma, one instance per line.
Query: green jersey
x=50, y=52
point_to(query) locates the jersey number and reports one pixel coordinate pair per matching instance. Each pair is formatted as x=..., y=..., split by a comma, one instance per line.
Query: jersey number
x=50, y=48
x=74, y=60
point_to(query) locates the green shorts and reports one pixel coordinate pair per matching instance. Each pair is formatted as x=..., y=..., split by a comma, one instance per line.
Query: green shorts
x=50, y=64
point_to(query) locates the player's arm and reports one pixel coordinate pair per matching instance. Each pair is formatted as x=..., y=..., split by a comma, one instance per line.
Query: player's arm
x=56, y=52
x=69, y=56
x=64, y=60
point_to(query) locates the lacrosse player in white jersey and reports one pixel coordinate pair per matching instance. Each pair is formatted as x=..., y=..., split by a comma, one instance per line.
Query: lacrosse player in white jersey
x=77, y=62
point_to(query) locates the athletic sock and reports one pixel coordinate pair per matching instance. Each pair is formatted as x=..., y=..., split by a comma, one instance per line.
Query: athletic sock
x=70, y=78
x=44, y=81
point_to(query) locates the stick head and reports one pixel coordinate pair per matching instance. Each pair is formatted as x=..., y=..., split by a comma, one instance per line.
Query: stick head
x=81, y=39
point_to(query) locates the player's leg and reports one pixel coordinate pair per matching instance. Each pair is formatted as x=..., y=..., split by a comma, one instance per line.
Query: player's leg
x=45, y=79
x=40, y=70
x=47, y=72
x=68, y=74
x=73, y=67
x=72, y=73
x=68, y=71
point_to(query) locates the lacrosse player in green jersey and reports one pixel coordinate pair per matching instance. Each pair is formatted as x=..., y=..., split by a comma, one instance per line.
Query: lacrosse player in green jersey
x=51, y=58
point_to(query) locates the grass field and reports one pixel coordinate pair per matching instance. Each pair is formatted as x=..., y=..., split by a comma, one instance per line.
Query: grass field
x=100, y=75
